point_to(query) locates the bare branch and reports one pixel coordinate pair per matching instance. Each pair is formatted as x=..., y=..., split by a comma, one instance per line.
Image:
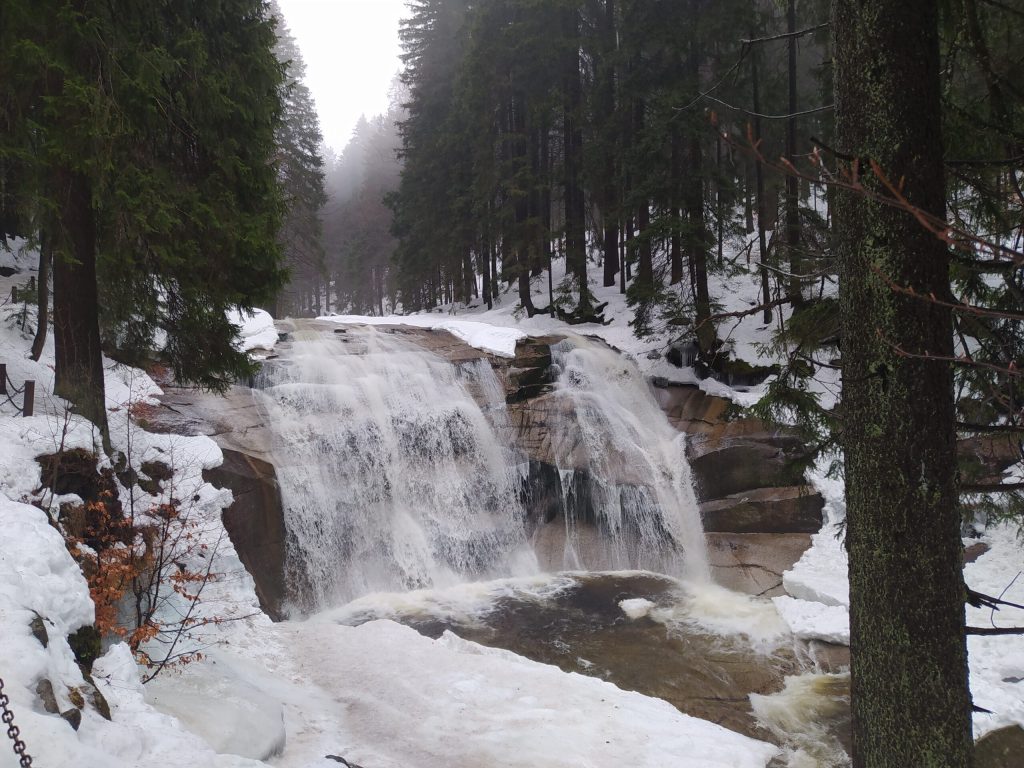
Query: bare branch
x=991, y=487
x=1010, y=371
x=784, y=35
x=995, y=630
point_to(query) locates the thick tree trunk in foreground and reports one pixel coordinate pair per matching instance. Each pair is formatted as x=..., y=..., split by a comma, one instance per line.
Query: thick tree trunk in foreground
x=76, y=329
x=911, y=703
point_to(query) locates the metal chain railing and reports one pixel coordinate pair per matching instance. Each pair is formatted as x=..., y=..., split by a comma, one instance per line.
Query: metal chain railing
x=24, y=759
x=8, y=391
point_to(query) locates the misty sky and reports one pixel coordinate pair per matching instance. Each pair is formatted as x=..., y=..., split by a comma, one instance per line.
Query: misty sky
x=351, y=51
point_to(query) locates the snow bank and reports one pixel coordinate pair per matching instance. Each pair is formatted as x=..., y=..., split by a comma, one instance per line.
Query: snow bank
x=450, y=703
x=255, y=330
x=490, y=338
x=821, y=574
x=814, y=621
x=997, y=663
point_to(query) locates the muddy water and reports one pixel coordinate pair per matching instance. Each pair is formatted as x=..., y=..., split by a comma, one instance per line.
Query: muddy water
x=703, y=649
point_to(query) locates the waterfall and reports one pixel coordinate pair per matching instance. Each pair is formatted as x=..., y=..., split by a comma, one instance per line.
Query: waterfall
x=391, y=474
x=626, y=467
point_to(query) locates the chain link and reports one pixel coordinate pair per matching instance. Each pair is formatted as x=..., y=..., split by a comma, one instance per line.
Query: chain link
x=7, y=716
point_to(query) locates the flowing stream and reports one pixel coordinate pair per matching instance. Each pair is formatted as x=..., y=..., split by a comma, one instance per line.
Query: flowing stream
x=404, y=499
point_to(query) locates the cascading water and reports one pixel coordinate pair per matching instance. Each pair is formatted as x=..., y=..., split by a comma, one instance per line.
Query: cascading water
x=618, y=451
x=391, y=474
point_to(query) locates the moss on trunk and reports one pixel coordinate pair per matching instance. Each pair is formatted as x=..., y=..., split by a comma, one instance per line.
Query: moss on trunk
x=911, y=703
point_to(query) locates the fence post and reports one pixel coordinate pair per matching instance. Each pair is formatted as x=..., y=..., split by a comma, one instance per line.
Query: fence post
x=29, y=405
x=3, y=378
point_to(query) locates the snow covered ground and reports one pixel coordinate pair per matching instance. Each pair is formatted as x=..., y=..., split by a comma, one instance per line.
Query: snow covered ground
x=380, y=694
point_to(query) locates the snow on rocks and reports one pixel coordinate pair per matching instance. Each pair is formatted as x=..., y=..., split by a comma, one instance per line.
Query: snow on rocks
x=814, y=621
x=489, y=338
x=255, y=329
x=637, y=607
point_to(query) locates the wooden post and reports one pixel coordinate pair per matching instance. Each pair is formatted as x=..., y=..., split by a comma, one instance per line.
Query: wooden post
x=28, y=408
x=3, y=378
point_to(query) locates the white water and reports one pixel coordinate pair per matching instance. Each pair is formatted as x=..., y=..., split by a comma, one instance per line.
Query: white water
x=637, y=476
x=391, y=475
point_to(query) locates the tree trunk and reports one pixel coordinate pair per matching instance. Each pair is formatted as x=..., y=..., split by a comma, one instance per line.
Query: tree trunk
x=609, y=206
x=76, y=327
x=675, y=209
x=911, y=702
x=43, y=295
x=485, y=263
x=793, y=290
x=572, y=137
x=762, y=213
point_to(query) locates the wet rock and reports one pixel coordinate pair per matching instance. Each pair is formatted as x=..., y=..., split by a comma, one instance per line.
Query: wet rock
x=795, y=509
x=44, y=690
x=97, y=699
x=75, y=697
x=157, y=473
x=73, y=717
x=38, y=627
x=87, y=645
x=829, y=657
x=973, y=551
x=100, y=518
x=255, y=523
x=1000, y=749
x=753, y=563
x=745, y=465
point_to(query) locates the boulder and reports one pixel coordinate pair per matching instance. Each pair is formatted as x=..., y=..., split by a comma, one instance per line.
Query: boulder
x=753, y=563
x=1003, y=748
x=255, y=523
x=793, y=509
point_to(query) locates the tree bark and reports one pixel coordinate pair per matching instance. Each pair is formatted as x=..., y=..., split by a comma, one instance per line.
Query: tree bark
x=76, y=328
x=910, y=696
x=762, y=213
x=43, y=295
x=793, y=289
x=572, y=137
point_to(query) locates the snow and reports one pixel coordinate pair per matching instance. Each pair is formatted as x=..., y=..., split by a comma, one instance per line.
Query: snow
x=255, y=329
x=450, y=703
x=637, y=607
x=484, y=336
x=814, y=621
x=821, y=573
x=997, y=663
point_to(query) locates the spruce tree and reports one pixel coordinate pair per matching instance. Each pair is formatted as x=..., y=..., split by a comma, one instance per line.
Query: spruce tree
x=144, y=139
x=911, y=703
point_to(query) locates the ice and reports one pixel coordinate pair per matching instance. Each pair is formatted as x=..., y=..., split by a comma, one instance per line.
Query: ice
x=813, y=620
x=451, y=703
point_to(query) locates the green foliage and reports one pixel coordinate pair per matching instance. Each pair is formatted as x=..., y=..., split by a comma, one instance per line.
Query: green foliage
x=168, y=112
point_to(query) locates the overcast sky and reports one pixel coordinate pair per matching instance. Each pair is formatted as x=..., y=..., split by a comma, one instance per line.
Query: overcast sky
x=351, y=51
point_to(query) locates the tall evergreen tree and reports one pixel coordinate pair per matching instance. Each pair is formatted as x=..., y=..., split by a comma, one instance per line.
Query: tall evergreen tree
x=911, y=703
x=301, y=173
x=144, y=139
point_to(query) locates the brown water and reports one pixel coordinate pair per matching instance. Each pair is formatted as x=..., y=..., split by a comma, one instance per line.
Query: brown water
x=701, y=648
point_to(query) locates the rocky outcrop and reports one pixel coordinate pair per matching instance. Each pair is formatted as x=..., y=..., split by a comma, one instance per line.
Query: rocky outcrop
x=255, y=523
x=1003, y=748
x=747, y=473
x=757, y=509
